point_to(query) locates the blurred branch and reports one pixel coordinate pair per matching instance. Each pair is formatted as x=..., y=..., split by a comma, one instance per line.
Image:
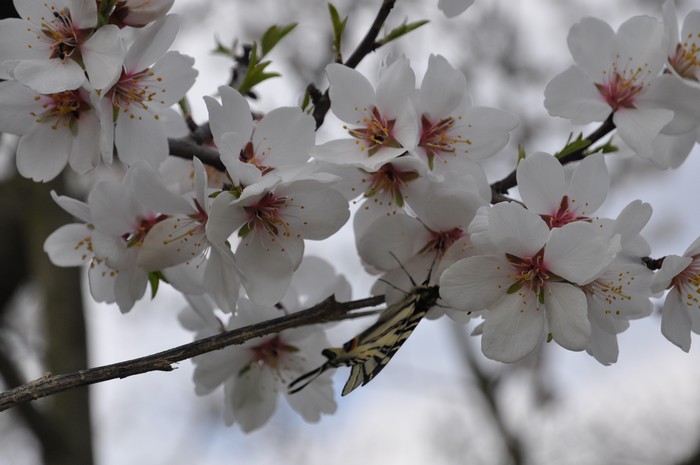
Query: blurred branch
x=488, y=386
x=327, y=311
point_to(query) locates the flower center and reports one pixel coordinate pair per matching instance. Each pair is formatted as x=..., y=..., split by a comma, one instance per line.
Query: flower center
x=529, y=272
x=269, y=353
x=140, y=89
x=621, y=88
x=688, y=284
x=564, y=215
x=61, y=34
x=436, y=139
x=686, y=61
x=144, y=225
x=248, y=156
x=376, y=134
x=440, y=241
x=265, y=215
x=62, y=109
x=390, y=180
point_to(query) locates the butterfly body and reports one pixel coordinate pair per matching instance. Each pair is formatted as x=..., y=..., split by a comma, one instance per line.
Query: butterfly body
x=369, y=352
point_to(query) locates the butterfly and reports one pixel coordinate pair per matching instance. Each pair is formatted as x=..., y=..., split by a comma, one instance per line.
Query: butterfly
x=369, y=352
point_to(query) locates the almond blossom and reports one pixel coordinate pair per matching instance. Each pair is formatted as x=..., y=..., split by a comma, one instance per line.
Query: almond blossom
x=681, y=310
x=451, y=129
x=382, y=122
x=57, y=129
x=138, y=13
x=56, y=42
x=529, y=282
x=452, y=8
x=273, y=218
x=615, y=73
x=150, y=82
x=256, y=374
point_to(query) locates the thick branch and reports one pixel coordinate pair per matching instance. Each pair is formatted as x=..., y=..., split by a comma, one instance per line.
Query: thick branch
x=327, y=311
x=502, y=186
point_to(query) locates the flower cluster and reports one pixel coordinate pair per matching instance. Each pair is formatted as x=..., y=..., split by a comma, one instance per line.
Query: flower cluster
x=83, y=85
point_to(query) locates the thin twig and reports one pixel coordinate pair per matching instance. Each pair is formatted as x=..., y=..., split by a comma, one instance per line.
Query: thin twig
x=327, y=311
x=502, y=186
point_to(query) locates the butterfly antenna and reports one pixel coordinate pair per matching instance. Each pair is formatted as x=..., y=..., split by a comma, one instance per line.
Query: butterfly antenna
x=413, y=283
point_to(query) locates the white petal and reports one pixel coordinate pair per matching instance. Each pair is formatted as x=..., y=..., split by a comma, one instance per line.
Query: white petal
x=638, y=127
x=232, y=115
x=567, y=315
x=267, y=268
x=113, y=207
x=103, y=56
x=313, y=210
x=75, y=207
x=675, y=321
x=541, y=183
x=17, y=101
x=252, y=399
x=395, y=86
x=591, y=42
x=18, y=40
x=43, y=153
x=452, y=8
x=151, y=192
x=50, y=76
x=284, y=137
x=222, y=278
x=173, y=75
x=152, y=43
x=589, y=185
x=475, y=283
x=85, y=154
x=572, y=95
x=69, y=245
x=139, y=136
x=516, y=230
x=101, y=279
x=171, y=242
x=352, y=96
x=443, y=88
x=512, y=329
x=83, y=13
x=399, y=235
x=672, y=266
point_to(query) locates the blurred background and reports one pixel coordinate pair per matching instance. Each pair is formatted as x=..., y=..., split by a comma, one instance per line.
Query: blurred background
x=440, y=401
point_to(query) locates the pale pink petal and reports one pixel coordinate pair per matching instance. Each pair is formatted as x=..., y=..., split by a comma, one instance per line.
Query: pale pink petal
x=592, y=45
x=18, y=40
x=213, y=368
x=75, y=207
x=640, y=45
x=516, y=230
x=83, y=13
x=486, y=129
x=114, y=208
x=17, y=101
x=267, y=268
x=152, y=193
x=671, y=92
x=251, y=401
x=101, y=279
x=222, y=278
x=672, y=266
x=171, y=242
x=173, y=76
x=284, y=137
x=638, y=127
x=85, y=154
x=224, y=218
x=139, y=136
x=129, y=287
x=390, y=240
x=394, y=88
x=313, y=210
x=443, y=88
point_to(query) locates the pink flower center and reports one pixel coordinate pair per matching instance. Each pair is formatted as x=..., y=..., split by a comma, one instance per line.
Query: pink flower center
x=266, y=215
x=688, y=284
x=62, y=109
x=248, y=156
x=564, y=215
x=436, y=140
x=440, y=241
x=269, y=353
x=139, y=88
x=63, y=37
x=390, y=180
x=529, y=272
x=620, y=91
x=686, y=61
x=377, y=133
x=143, y=226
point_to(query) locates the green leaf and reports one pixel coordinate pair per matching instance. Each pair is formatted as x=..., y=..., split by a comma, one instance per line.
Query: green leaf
x=399, y=31
x=155, y=277
x=338, y=29
x=272, y=36
x=221, y=49
x=579, y=144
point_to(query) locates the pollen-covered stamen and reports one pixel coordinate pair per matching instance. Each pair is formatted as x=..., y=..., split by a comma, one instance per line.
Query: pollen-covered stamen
x=529, y=272
x=248, y=156
x=139, y=89
x=376, y=132
x=390, y=180
x=270, y=353
x=440, y=241
x=621, y=87
x=564, y=215
x=688, y=284
x=436, y=139
x=266, y=215
x=62, y=109
x=63, y=37
x=143, y=226
x=686, y=60
x=610, y=290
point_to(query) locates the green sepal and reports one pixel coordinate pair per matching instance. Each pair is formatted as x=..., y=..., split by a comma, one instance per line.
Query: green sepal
x=338, y=29
x=549, y=337
x=155, y=277
x=573, y=146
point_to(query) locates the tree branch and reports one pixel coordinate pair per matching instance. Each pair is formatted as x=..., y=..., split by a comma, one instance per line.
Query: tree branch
x=502, y=186
x=327, y=311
